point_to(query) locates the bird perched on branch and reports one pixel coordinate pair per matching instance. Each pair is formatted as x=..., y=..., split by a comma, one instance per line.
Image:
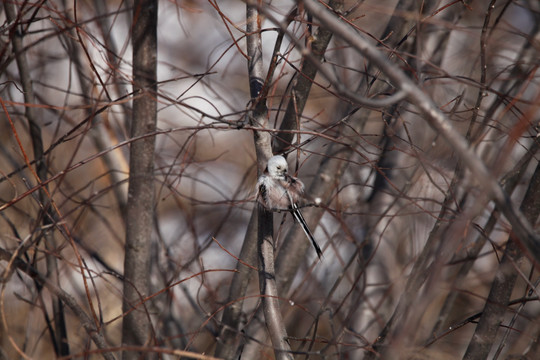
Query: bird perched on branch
x=279, y=191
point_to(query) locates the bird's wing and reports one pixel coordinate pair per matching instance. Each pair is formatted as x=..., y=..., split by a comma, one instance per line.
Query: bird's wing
x=262, y=191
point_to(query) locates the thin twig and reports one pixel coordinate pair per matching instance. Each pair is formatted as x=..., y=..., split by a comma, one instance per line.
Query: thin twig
x=86, y=321
x=523, y=230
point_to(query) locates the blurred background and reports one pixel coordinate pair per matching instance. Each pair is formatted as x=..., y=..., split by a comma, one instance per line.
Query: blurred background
x=412, y=248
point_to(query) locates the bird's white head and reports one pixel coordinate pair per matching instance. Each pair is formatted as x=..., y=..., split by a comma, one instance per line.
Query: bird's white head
x=277, y=166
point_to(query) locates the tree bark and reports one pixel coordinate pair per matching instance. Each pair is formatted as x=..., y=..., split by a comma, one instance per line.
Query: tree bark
x=140, y=206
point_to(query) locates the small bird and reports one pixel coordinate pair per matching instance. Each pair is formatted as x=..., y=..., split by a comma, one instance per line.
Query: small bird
x=278, y=191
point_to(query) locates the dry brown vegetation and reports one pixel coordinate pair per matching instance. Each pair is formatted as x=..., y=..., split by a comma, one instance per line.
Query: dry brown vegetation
x=128, y=222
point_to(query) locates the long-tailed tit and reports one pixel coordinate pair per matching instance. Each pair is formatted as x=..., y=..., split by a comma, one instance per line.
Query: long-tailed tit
x=278, y=191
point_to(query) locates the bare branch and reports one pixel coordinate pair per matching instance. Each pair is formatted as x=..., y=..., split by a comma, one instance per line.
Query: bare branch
x=86, y=321
x=60, y=334
x=303, y=82
x=267, y=281
x=268, y=286
x=413, y=231
x=504, y=281
x=439, y=122
x=140, y=207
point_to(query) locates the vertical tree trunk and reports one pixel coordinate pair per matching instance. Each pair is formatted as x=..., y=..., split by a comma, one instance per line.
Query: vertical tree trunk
x=140, y=206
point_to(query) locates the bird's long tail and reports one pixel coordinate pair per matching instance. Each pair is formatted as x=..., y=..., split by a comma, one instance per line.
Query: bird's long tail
x=300, y=219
